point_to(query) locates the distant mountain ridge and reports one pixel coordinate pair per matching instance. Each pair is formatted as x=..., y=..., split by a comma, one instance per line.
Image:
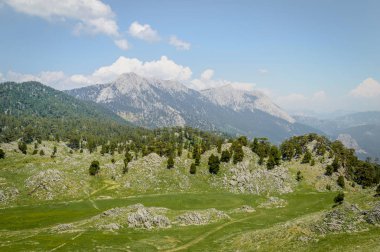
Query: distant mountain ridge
x=360, y=131
x=158, y=103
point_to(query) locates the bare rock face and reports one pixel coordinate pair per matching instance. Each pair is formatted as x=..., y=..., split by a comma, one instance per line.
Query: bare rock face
x=273, y=202
x=146, y=219
x=244, y=179
x=202, y=217
x=47, y=184
x=373, y=216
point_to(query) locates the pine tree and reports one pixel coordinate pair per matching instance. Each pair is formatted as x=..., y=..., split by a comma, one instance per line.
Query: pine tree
x=226, y=156
x=22, y=147
x=340, y=181
x=193, y=168
x=213, y=164
x=339, y=198
x=306, y=158
x=94, y=168
x=335, y=164
x=238, y=154
x=271, y=163
x=170, y=162
x=329, y=170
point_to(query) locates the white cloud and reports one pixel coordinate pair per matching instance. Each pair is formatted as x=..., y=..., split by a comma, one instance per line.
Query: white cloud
x=369, y=88
x=179, y=44
x=90, y=16
x=297, y=101
x=207, y=74
x=144, y=32
x=122, y=44
x=205, y=81
x=263, y=71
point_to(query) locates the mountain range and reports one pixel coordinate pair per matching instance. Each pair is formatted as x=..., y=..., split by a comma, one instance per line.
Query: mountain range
x=158, y=103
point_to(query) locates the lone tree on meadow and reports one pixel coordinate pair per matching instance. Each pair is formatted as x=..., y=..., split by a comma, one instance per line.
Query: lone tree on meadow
x=94, y=168
x=339, y=198
x=213, y=164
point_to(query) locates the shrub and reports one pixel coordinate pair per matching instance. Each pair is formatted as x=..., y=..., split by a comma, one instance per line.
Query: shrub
x=329, y=170
x=213, y=164
x=328, y=187
x=299, y=176
x=2, y=154
x=94, y=168
x=22, y=147
x=42, y=153
x=35, y=152
x=340, y=181
x=339, y=198
x=306, y=158
x=170, y=162
x=226, y=156
x=271, y=163
x=312, y=162
x=193, y=168
x=378, y=190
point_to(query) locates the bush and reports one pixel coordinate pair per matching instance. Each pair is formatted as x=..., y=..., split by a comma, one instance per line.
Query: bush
x=226, y=156
x=125, y=168
x=238, y=154
x=299, y=176
x=2, y=154
x=170, y=162
x=22, y=147
x=193, y=168
x=329, y=170
x=340, y=181
x=306, y=158
x=339, y=198
x=270, y=163
x=378, y=190
x=35, y=152
x=94, y=168
x=328, y=187
x=213, y=163
x=312, y=162
x=42, y=153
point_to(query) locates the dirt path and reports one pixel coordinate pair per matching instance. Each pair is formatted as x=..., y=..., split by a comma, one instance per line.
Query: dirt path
x=205, y=235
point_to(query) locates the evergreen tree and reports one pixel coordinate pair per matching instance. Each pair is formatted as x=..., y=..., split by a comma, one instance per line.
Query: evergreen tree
x=299, y=176
x=226, y=156
x=261, y=160
x=329, y=170
x=306, y=158
x=312, y=162
x=22, y=147
x=94, y=168
x=219, y=146
x=193, y=168
x=238, y=154
x=125, y=168
x=276, y=154
x=335, y=164
x=128, y=157
x=213, y=164
x=271, y=163
x=2, y=154
x=340, y=181
x=170, y=162
x=339, y=198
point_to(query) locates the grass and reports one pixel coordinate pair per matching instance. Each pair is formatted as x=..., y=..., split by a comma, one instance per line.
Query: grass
x=25, y=224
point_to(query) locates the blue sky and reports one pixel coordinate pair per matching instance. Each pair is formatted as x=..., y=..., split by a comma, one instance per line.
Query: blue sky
x=306, y=55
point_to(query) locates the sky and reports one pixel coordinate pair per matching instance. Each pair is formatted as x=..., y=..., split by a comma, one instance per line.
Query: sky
x=314, y=56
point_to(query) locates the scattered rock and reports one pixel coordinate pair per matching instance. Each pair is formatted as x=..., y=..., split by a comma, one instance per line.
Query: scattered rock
x=201, y=217
x=373, y=216
x=273, y=202
x=146, y=219
x=63, y=227
x=244, y=209
x=109, y=227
